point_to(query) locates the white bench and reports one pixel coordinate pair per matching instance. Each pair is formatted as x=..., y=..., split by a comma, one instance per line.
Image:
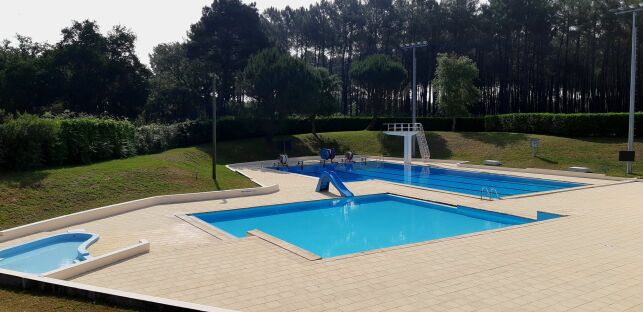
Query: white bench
x=490, y=162
x=580, y=169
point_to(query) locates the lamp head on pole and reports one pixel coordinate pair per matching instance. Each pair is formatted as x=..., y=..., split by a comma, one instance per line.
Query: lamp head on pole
x=623, y=9
x=412, y=45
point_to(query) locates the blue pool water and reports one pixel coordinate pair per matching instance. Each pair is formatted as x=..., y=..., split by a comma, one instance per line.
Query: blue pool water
x=337, y=227
x=47, y=254
x=459, y=181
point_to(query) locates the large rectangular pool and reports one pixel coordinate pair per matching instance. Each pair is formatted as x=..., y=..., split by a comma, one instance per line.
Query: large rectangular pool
x=337, y=227
x=458, y=181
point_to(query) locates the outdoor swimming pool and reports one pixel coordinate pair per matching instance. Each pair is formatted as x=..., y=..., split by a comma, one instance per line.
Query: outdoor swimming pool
x=459, y=181
x=338, y=227
x=47, y=254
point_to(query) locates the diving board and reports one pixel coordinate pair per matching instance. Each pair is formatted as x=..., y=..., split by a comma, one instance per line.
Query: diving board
x=408, y=130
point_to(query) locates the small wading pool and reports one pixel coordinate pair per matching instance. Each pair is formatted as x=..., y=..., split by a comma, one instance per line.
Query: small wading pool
x=458, y=181
x=47, y=254
x=338, y=227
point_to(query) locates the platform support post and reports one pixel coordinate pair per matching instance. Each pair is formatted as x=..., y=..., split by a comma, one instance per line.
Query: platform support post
x=408, y=148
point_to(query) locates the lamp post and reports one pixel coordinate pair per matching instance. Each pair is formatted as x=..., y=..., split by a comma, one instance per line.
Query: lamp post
x=630, y=131
x=214, y=128
x=412, y=46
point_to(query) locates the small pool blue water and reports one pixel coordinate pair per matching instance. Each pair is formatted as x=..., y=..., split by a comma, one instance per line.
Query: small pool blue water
x=337, y=227
x=47, y=254
x=459, y=181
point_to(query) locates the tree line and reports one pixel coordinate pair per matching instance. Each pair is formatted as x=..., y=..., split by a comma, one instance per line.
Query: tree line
x=556, y=56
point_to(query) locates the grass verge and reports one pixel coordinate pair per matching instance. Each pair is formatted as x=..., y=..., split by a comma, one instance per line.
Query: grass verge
x=31, y=196
x=27, y=301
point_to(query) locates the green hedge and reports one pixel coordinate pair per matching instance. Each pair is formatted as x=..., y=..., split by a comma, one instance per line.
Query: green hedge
x=570, y=125
x=155, y=138
x=30, y=141
x=89, y=139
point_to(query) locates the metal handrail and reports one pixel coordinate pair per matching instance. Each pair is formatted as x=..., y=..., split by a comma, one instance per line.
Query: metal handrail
x=490, y=192
x=402, y=127
x=493, y=189
x=482, y=190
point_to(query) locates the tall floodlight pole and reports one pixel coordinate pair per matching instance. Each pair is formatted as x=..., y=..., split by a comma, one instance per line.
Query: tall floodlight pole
x=214, y=128
x=630, y=131
x=412, y=46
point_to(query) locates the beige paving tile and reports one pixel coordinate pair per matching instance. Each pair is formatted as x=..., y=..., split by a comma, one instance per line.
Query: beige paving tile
x=591, y=260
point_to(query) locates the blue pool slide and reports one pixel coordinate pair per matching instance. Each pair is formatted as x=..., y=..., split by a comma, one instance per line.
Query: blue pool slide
x=328, y=177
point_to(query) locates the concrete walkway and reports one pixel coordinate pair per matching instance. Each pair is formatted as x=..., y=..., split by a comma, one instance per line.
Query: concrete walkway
x=591, y=260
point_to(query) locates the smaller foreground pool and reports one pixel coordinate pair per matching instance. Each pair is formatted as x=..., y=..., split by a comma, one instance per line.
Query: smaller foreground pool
x=338, y=227
x=47, y=254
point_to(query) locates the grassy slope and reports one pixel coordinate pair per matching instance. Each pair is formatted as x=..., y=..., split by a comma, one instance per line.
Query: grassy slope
x=35, y=195
x=21, y=301
x=599, y=154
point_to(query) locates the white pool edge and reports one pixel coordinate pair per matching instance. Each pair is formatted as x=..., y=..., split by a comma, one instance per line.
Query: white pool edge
x=95, y=293
x=94, y=263
x=111, y=210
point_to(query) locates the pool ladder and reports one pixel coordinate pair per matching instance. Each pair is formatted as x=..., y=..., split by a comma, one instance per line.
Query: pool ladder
x=490, y=191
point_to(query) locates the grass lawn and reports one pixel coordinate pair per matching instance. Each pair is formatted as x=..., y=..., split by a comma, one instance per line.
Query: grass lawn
x=25, y=301
x=35, y=195
x=30, y=196
x=513, y=149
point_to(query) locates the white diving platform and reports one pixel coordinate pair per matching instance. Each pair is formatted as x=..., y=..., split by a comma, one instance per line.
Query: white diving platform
x=408, y=130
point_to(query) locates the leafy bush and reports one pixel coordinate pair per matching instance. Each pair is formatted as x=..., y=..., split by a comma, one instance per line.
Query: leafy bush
x=29, y=141
x=570, y=125
x=89, y=139
x=154, y=138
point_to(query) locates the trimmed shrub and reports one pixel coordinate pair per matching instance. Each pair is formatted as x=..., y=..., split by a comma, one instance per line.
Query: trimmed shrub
x=570, y=125
x=89, y=139
x=29, y=141
x=154, y=138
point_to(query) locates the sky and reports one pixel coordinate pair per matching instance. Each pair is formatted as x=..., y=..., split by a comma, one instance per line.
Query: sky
x=153, y=21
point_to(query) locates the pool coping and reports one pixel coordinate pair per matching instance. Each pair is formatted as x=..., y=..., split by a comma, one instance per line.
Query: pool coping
x=444, y=239
x=81, y=250
x=308, y=255
x=463, y=164
x=225, y=236
x=555, y=172
x=120, y=298
x=120, y=208
x=586, y=185
x=283, y=244
x=96, y=263
x=205, y=227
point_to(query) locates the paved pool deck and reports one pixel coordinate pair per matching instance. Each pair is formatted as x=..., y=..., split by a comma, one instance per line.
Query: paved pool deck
x=590, y=260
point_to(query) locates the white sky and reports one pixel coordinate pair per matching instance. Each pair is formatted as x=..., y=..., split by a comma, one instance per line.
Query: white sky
x=153, y=21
